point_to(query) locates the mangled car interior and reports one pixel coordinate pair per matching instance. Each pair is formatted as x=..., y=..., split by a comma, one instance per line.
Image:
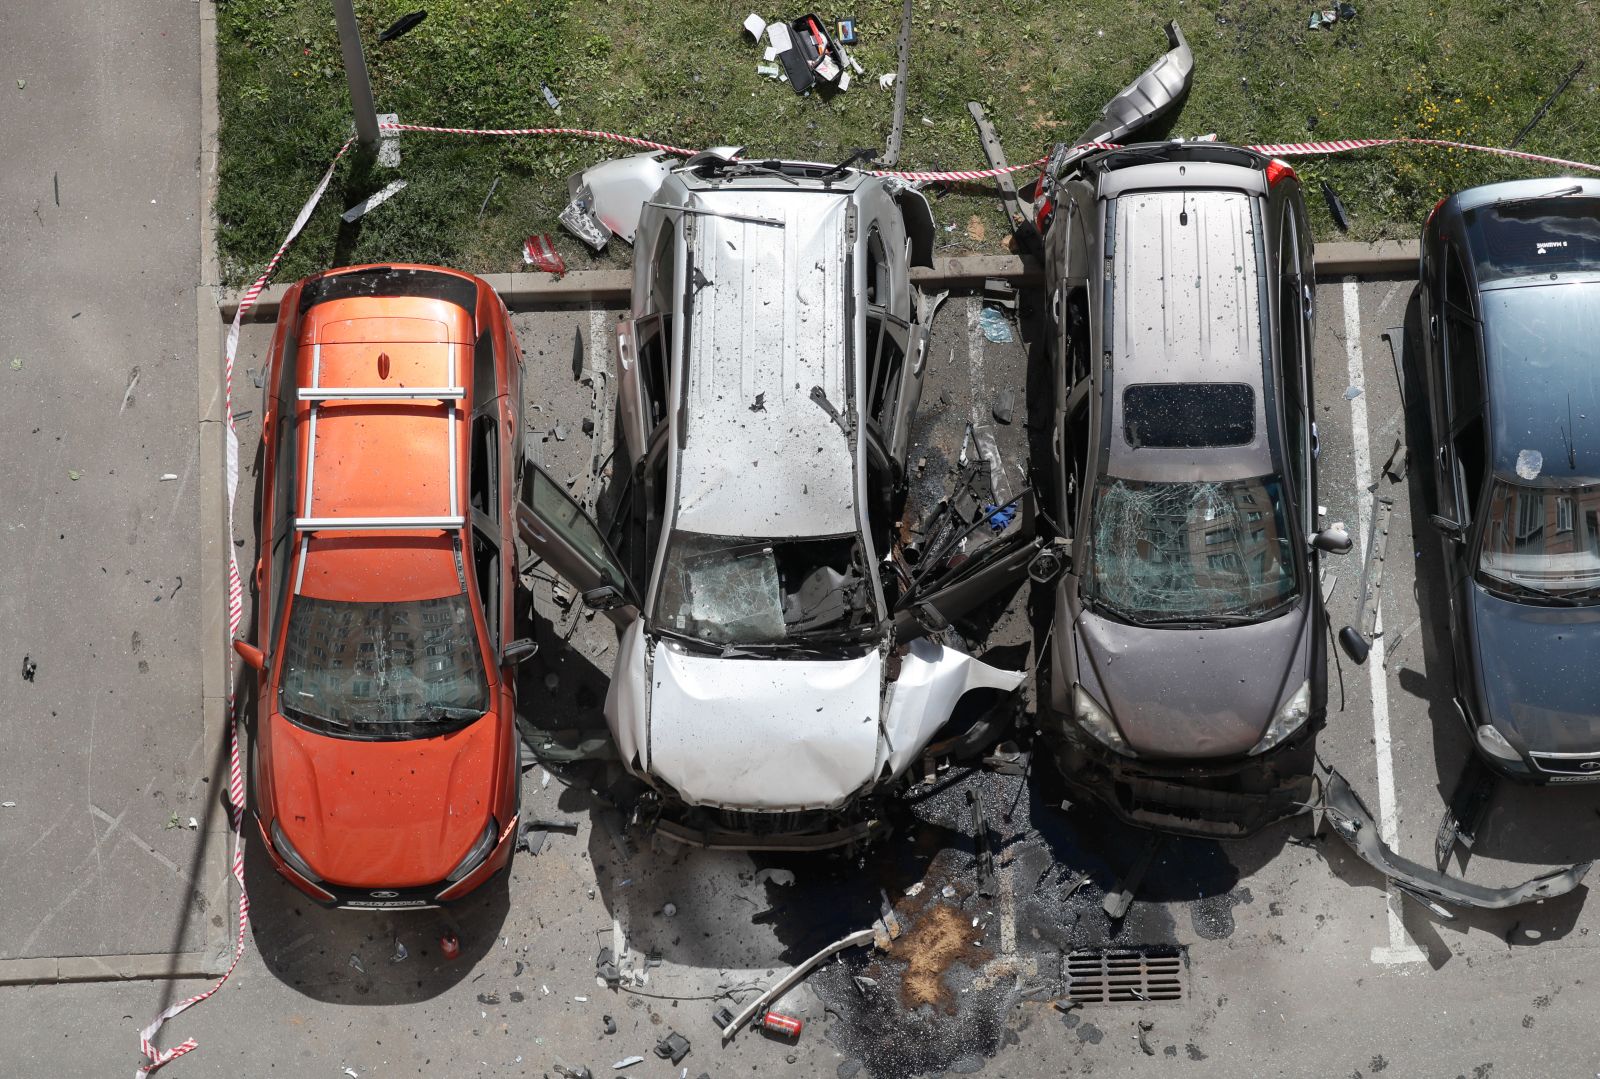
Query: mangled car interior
x=801, y=603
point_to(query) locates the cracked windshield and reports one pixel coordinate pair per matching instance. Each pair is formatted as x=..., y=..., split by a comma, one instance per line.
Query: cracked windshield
x=383, y=670
x=731, y=590
x=1184, y=552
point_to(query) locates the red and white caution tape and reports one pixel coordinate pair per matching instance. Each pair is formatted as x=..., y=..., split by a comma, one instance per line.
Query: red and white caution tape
x=155, y=1058
x=1300, y=149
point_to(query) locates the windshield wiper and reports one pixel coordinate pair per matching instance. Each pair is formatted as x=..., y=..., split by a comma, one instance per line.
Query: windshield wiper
x=1111, y=611
x=445, y=711
x=1527, y=591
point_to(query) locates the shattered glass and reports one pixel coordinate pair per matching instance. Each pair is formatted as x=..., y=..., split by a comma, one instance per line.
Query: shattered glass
x=1191, y=551
x=383, y=670
x=731, y=590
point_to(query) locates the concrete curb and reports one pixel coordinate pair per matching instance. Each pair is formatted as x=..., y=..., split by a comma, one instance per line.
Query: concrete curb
x=107, y=968
x=522, y=291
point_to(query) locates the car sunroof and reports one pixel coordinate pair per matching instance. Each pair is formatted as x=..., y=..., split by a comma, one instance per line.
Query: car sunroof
x=1188, y=415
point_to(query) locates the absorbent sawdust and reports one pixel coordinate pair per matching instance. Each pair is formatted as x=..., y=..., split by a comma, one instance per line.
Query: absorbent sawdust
x=940, y=937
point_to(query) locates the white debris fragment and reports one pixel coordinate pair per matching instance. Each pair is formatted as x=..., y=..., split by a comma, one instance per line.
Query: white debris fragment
x=948, y=891
x=771, y=71
x=545, y=989
x=193, y=824
x=886, y=81
x=581, y=1000
x=626, y=1062
x=351, y=1072
x=916, y=889
x=669, y=909
x=782, y=877
x=755, y=25
x=1529, y=464
x=8, y=805
x=168, y=477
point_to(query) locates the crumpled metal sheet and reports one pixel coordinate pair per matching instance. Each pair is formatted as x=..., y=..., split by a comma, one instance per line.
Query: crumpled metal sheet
x=1353, y=824
x=609, y=198
x=933, y=677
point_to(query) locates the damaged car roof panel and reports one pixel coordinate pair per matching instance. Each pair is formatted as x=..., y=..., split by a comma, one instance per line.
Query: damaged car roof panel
x=767, y=323
x=1186, y=309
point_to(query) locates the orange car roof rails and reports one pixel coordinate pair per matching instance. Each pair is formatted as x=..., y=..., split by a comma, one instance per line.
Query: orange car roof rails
x=317, y=394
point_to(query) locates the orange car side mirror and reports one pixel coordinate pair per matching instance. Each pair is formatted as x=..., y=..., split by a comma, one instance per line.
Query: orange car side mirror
x=251, y=655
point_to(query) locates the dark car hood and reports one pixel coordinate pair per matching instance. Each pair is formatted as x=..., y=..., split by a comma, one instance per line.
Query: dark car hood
x=1539, y=671
x=1191, y=694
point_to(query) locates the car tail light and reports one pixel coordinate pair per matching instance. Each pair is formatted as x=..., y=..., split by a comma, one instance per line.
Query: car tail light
x=1435, y=210
x=1042, y=213
x=1278, y=169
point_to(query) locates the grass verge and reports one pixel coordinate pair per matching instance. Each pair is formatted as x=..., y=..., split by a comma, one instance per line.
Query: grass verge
x=682, y=71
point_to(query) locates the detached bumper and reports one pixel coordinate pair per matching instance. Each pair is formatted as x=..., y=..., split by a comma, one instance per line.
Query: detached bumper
x=1231, y=801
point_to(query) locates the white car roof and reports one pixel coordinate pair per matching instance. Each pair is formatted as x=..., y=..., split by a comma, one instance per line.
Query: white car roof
x=767, y=322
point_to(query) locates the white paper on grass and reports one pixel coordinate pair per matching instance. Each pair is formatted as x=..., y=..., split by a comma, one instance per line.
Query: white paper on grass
x=756, y=25
x=779, y=34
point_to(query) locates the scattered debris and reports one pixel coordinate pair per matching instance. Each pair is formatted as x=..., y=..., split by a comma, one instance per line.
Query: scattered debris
x=755, y=26
x=550, y=97
x=606, y=968
x=168, y=477
x=1538, y=114
x=1465, y=811
x=1335, y=207
x=400, y=954
x=540, y=253
x=1116, y=903
x=449, y=946
x=1005, y=406
x=16, y=364
x=885, y=82
x=786, y=1025
x=669, y=910
x=372, y=202
x=351, y=1072
x=789, y=980
x=29, y=668
x=916, y=889
x=579, y=1072
x=609, y=1023
x=673, y=1047
x=355, y=962
x=74, y=475
x=402, y=26
x=1143, y=1027
x=994, y=326
x=489, y=998
x=760, y=404
x=8, y=805
x=782, y=877
x=627, y=1062
x=1352, y=392
x=891, y=155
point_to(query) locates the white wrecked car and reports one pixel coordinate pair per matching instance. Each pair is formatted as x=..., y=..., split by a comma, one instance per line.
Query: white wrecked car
x=782, y=661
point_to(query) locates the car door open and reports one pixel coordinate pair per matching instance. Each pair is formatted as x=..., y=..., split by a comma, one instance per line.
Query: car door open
x=557, y=530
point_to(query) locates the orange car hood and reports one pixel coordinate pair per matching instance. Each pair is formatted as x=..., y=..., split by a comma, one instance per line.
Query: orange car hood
x=383, y=814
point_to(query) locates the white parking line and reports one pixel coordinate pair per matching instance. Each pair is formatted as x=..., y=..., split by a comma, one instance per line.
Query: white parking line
x=1401, y=948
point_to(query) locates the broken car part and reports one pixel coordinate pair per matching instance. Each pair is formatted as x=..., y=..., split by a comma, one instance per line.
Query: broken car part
x=891, y=155
x=673, y=1047
x=1544, y=106
x=607, y=199
x=1357, y=640
x=1465, y=811
x=1353, y=824
x=1156, y=92
x=1116, y=903
x=793, y=978
x=1024, y=235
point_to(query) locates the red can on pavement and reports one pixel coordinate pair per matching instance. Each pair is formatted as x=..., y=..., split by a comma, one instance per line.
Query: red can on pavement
x=778, y=1023
x=450, y=946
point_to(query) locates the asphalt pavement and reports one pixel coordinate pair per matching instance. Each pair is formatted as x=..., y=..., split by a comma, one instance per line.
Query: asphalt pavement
x=106, y=759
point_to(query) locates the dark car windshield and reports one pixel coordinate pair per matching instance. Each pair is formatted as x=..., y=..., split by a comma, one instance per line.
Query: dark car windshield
x=1191, y=552
x=740, y=591
x=1536, y=236
x=1543, y=538
x=383, y=670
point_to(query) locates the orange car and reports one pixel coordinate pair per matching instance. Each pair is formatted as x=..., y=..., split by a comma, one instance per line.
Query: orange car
x=384, y=757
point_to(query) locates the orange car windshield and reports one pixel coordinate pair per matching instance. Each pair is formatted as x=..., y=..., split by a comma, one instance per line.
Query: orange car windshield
x=383, y=670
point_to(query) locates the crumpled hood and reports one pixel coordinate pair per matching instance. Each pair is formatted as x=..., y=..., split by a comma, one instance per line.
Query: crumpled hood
x=1538, y=674
x=764, y=734
x=1191, y=694
x=383, y=814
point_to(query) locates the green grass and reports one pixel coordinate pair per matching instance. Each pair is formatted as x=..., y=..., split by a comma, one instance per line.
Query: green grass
x=683, y=72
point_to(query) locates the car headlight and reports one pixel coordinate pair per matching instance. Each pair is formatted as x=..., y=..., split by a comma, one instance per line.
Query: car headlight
x=480, y=850
x=1492, y=742
x=287, y=852
x=1290, y=718
x=1097, y=721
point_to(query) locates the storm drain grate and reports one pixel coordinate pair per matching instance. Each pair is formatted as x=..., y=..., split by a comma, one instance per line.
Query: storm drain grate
x=1126, y=975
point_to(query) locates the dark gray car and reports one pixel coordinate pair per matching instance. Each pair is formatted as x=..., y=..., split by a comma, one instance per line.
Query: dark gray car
x=1510, y=288
x=1189, y=662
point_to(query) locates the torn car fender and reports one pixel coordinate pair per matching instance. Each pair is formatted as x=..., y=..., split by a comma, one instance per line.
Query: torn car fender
x=933, y=677
x=1353, y=824
x=917, y=217
x=628, y=699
